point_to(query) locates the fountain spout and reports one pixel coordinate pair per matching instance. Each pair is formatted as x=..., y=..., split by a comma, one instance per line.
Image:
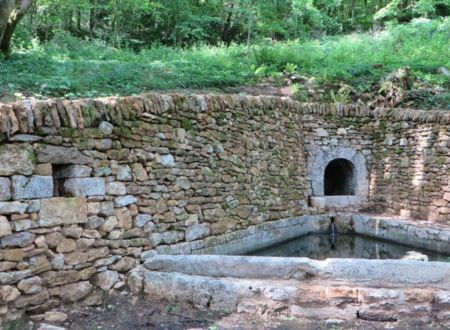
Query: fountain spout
x=333, y=231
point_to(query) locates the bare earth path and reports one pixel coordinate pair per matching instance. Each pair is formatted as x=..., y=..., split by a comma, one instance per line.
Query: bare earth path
x=131, y=313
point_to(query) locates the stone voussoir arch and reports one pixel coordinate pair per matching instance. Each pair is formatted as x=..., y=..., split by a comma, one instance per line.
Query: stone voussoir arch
x=318, y=160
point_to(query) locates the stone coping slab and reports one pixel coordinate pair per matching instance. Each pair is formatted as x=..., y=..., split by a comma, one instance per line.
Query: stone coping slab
x=384, y=273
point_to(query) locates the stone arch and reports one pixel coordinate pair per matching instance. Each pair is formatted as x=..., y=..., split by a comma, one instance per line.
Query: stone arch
x=319, y=160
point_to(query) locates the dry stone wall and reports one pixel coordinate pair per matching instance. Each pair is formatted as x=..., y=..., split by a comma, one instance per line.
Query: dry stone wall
x=90, y=188
x=407, y=154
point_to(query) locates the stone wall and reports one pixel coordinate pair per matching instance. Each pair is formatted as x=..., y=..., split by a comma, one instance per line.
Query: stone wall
x=89, y=188
x=407, y=155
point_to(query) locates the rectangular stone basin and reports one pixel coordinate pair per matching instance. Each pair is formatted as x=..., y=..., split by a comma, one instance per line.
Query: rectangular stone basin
x=216, y=277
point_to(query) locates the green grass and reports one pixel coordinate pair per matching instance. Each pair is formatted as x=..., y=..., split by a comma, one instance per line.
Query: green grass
x=68, y=67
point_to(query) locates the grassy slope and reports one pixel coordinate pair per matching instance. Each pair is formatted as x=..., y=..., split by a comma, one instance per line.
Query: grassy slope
x=71, y=68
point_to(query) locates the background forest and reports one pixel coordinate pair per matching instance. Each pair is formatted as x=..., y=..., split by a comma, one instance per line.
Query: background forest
x=380, y=52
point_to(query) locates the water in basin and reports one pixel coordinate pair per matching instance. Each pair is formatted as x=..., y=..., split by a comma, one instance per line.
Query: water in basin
x=322, y=246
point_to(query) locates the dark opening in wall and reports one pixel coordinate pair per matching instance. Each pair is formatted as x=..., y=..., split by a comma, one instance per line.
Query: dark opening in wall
x=58, y=180
x=339, y=178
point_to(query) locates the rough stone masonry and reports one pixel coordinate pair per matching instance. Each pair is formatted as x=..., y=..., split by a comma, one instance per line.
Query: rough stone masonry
x=91, y=188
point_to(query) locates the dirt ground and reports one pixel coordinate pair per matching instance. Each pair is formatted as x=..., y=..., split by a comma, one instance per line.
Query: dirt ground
x=121, y=312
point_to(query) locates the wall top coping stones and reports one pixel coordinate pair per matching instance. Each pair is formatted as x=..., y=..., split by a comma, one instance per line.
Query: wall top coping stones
x=43, y=116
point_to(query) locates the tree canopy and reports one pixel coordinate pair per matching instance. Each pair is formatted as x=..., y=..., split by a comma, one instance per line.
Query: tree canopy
x=140, y=23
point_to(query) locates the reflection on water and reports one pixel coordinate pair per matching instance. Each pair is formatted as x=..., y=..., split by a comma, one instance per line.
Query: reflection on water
x=342, y=246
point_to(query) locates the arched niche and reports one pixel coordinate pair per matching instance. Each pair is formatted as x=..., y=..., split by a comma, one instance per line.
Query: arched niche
x=337, y=177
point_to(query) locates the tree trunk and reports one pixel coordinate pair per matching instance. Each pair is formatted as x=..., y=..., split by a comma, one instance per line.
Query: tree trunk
x=79, y=21
x=250, y=25
x=91, y=19
x=11, y=12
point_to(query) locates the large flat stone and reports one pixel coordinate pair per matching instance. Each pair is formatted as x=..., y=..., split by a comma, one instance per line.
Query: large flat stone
x=33, y=187
x=16, y=159
x=62, y=210
x=61, y=155
x=85, y=186
x=386, y=273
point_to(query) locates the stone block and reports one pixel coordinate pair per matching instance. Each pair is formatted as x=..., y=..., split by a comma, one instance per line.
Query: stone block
x=5, y=189
x=167, y=161
x=16, y=159
x=93, y=208
x=85, y=186
x=116, y=188
x=106, y=128
x=30, y=285
x=32, y=187
x=8, y=293
x=125, y=200
x=61, y=210
x=73, y=171
x=34, y=206
x=26, y=224
x=142, y=219
x=13, y=207
x=321, y=132
x=183, y=182
x=94, y=222
x=109, y=224
x=61, y=155
x=105, y=280
x=18, y=240
x=197, y=231
x=54, y=316
x=124, y=173
x=124, y=218
x=125, y=264
x=139, y=172
x=45, y=326
x=5, y=227
x=169, y=237
x=53, y=278
x=35, y=299
x=106, y=208
x=44, y=169
x=66, y=245
x=14, y=255
x=76, y=291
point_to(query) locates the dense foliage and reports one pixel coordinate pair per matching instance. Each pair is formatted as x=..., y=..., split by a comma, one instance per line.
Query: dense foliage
x=325, y=50
x=138, y=23
x=334, y=67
